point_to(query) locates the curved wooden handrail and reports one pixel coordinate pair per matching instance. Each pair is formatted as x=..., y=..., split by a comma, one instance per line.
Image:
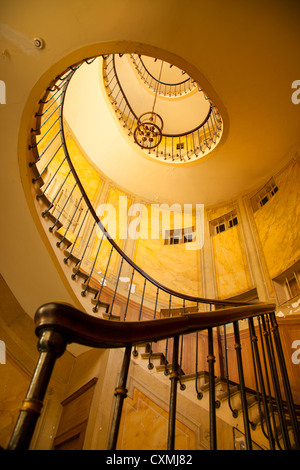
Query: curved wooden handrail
x=160, y=81
x=81, y=328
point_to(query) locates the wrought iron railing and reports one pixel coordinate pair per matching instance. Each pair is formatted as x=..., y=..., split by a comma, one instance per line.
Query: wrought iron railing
x=175, y=89
x=60, y=324
x=176, y=148
x=65, y=202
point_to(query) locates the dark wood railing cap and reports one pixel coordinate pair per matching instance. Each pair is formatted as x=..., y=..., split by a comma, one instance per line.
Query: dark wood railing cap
x=82, y=328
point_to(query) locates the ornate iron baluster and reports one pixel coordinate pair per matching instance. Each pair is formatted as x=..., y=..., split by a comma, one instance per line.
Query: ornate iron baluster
x=87, y=282
x=266, y=374
x=51, y=345
x=74, y=244
x=45, y=212
x=46, y=166
x=73, y=276
x=233, y=410
x=199, y=394
x=200, y=141
x=212, y=397
x=39, y=196
x=238, y=348
x=63, y=208
x=187, y=147
x=207, y=142
x=276, y=384
x=285, y=379
x=173, y=395
x=129, y=292
x=117, y=282
x=48, y=117
x=142, y=301
x=44, y=135
x=95, y=309
x=70, y=222
x=48, y=101
x=256, y=359
x=166, y=372
x=150, y=364
x=121, y=394
x=182, y=386
x=258, y=394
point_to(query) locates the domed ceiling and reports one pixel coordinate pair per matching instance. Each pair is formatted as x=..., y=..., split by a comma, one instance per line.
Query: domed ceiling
x=255, y=133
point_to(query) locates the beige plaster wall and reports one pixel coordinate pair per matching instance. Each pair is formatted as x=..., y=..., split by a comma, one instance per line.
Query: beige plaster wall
x=231, y=264
x=174, y=266
x=278, y=221
x=229, y=255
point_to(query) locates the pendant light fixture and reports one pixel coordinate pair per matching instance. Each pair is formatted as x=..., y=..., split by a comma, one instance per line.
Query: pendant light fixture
x=148, y=132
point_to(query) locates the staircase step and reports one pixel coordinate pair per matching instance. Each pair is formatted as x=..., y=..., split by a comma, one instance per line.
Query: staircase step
x=111, y=317
x=93, y=287
x=37, y=176
x=144, y=345
x=93, y=284
x=162, y=367
x=43, y=197
x=205, y=386
x=79, y=272
x=223, y=395
x=202, y=375
x=90, y=288
x=251, y=400
x=156, y=355
x=65, y=241
x=53, y=219
x=101, y=304
x=72, y=257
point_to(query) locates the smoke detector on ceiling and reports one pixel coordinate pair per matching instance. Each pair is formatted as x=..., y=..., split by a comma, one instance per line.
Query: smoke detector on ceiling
x=38, y=43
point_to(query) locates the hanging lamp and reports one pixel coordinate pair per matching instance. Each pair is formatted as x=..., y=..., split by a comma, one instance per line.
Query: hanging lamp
x=148, y=132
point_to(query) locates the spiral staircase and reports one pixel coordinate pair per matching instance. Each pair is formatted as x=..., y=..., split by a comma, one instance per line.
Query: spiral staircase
x=156, y=325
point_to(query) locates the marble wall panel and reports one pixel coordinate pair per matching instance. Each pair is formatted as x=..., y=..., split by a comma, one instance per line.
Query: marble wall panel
x=232, y=274
x=278, y=222
x=144, y=426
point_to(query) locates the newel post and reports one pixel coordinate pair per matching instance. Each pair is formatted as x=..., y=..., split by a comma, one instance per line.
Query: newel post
x=51, y=345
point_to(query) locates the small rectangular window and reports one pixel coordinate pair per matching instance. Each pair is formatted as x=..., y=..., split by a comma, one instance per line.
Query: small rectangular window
x=264, y=195
x=292, y=286
x=188, y=238
x=287, y=285
x=233, y=222
x=223, y=223
x=264, y=201
x=180, y=146
x=274, y=190
x=174, y=240
x=176, y=236
x=220, y=228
